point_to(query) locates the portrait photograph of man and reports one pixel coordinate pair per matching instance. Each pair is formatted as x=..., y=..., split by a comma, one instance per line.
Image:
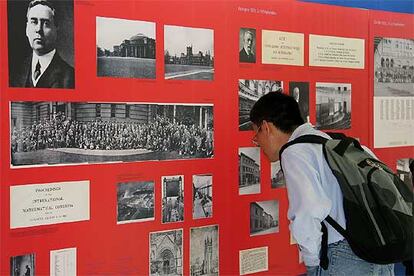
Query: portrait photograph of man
x=40, y=44
x=247, y=45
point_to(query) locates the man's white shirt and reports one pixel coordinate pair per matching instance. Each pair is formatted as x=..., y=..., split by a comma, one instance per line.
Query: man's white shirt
x=44, y=61
x=313, y=193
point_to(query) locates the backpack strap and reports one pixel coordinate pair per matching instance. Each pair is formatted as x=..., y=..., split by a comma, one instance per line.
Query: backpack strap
x=344, y=144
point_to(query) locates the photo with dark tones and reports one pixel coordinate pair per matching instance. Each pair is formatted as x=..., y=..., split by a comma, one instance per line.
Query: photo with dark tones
x=405, y=170
x=393, y=67
x=56, y=133
x=188, y=53
x=135, y=201
x=249, y=170
x=40, y=44
x=202, y=196
x=249, y=92
x=247, y=45
x=125, y=48
x=277, y=179
x=23, y=265
x=333, y=105
x=166, y=253
x=264, y=217
x=300, y=91
x=172, y=198
x=204, y=251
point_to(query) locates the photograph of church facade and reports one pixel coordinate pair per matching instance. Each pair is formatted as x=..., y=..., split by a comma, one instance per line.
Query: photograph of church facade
x=393, y=67
x=264, y=217
x=249, y=170
x=249, y=92
x=166, y=253
x=46, y=133
x=204, y=251
x=333, y=105
x=188, y=53
x=135, y=201
x=125, y=48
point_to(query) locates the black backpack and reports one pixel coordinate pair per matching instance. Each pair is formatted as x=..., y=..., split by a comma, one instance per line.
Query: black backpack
x=378, y=205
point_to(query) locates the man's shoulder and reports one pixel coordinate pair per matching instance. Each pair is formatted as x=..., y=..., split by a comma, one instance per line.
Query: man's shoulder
x=62, y=64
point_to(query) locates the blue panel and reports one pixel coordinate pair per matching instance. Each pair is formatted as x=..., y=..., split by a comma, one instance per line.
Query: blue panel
x=405, y=6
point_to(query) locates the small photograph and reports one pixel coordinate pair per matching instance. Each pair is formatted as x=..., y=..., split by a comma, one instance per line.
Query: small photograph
x=249, y=92
x=188, y=53
x=249, y=170
x=23, y=265
x=247, y=45
x=333, y=105
x=125, y=48
x=40, y=44
x=393, y=73
x=405, y=170
x=166, y=253
x=135, y=201
x=202, y=196
x=172, y=198
x=277, y=179
x=204, y=251
x=264, y=217
x=55, y=133
x=300, y=91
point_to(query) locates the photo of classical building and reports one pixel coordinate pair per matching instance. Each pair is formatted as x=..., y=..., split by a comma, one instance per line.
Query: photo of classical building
x=188, y=53
x=204, y=251
x=333, y=105
x=135, y=201
x=125, y=48
x=249, y=92
x=393, y=67
x=172, y=198
x=46, y=133
x=264, y=217
x=202, y=196
x=249, y=170
x=166, y=253
x=277, y=179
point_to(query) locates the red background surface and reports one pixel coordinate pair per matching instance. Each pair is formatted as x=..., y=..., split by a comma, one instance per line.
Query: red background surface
x=103, y=247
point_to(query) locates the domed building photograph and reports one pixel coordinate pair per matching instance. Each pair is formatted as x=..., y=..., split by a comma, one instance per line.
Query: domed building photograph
x=125, y=48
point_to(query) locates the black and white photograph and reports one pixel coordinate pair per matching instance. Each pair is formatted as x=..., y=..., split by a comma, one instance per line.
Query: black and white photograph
x=333, y=105
x=125, y=48
x=249, y=170
x=277, y=179
x=202, y=196
x=188, y=53
x=300, y=91
x=172, y=198
x=166, y=253
x=40, y=44
x=56, y=133
x=23, y=265
x=204, y=251
x=264, y=217
x=405, y=170
x=393, y=67
x=249, y=92
x=135, y=201
x=247, y=45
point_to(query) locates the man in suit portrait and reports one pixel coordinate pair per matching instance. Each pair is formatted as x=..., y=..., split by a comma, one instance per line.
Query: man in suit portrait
x=246, y=53
x=44, y=67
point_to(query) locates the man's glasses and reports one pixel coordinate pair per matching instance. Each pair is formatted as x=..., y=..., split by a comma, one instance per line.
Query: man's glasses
x=254, y=139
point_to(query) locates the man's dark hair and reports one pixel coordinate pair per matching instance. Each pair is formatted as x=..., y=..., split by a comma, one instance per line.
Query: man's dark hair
x=47, y=3
x=278, y=108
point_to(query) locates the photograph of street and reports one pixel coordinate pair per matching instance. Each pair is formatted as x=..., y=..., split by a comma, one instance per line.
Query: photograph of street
x=202, y=196
x=172, y=198
x=188, y=53
x=125, y=48
x=264, y=217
